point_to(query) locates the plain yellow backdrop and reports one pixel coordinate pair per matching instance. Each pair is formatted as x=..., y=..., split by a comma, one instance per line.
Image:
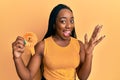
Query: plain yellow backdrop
x=20, y=16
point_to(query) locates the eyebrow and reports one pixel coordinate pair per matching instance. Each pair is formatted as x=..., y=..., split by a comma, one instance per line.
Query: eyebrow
x=66, y=17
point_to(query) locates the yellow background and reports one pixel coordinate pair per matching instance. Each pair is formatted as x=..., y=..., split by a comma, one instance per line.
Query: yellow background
x=20, y=16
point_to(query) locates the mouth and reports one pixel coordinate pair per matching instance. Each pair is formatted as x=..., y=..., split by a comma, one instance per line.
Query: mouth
x=67, y=33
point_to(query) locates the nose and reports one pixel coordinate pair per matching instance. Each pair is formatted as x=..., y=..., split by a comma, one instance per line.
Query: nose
x=68, y=25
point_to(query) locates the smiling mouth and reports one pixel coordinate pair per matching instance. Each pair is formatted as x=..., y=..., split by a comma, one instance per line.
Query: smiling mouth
x=67, y=33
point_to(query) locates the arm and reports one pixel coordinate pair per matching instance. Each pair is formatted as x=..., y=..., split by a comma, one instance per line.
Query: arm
x=86, y=53
x=26, y=72
x=84, y=68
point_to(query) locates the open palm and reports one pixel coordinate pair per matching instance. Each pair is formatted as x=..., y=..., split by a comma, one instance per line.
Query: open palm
x=90, y=44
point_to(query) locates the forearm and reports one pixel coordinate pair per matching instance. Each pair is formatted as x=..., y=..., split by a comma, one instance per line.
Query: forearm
x=21, y=69
x=85, y=69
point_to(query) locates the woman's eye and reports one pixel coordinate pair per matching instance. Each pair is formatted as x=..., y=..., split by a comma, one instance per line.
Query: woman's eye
x=63, y=21
x=71, y=21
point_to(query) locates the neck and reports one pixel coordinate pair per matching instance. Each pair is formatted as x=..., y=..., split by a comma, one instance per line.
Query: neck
x=56, y=37
x=60, y=41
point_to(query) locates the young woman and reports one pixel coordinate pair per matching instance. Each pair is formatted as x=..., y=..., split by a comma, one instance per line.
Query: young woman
x=61, y=53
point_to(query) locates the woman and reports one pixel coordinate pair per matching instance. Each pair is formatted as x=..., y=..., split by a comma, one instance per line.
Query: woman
x=61, y=53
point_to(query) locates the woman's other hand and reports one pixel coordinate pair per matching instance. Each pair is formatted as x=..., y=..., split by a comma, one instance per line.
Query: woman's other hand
x=94, y=40
x=18, y=47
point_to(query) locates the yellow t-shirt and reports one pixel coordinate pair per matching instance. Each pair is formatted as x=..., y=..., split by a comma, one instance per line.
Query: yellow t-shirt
x=60, y=62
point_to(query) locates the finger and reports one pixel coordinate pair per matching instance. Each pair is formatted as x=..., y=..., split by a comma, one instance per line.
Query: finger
x=19, y=38
x=17, y=47
x=96, y=31
x=99, y=29
x=20, y=46
x=99, y=40
x=21, y=50
x=95, y=34
x=86, y=38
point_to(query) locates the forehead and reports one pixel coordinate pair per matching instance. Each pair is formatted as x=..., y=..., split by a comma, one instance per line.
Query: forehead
x=65, y=13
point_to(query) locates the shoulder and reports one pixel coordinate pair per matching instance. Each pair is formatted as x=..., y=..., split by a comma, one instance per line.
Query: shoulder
x=77, y=40
x=81, y=43
x=39, y=47
x=82, y=51
x=81, y=46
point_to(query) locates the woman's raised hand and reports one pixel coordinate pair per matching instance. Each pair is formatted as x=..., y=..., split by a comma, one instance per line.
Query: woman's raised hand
x=94, y=40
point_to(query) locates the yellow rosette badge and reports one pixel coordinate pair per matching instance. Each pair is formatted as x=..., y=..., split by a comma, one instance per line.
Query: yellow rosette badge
x=30, y=41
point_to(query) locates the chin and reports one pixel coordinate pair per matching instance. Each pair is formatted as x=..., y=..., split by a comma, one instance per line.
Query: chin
x=66, y=37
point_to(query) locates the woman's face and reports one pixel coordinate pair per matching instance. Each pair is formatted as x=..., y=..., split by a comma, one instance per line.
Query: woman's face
x=64, y=24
